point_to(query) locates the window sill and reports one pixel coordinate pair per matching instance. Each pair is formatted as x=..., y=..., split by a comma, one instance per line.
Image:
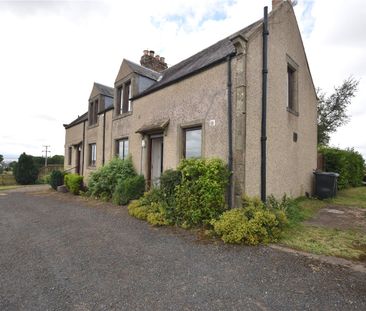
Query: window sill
x=123, y=115
x=92, y=167
x=295, y=113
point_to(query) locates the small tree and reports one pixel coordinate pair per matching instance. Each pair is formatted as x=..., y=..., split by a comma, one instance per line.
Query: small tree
x=332, y=110
x=25, y=171
x=1, y=163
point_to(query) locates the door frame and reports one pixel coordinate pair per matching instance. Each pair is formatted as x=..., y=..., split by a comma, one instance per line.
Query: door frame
x=151, y=138
x=78, y=159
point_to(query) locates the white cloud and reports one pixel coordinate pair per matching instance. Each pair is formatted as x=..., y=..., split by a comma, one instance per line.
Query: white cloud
x=336, y=49
x=53, y=51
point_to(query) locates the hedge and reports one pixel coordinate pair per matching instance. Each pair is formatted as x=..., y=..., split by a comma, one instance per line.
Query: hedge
x=349, y=164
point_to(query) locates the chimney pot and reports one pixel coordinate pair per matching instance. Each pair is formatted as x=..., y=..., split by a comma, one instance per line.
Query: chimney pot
x=150, y=61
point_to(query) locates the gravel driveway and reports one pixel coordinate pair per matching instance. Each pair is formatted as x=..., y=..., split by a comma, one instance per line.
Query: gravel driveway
x=59, y=252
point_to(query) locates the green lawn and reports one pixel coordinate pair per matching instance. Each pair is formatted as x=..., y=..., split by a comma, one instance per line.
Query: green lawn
x=326, y=241
x=8, y=187
x=351, y=197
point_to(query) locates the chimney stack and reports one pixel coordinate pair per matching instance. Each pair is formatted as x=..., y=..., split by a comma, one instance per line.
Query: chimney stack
x=150, y=61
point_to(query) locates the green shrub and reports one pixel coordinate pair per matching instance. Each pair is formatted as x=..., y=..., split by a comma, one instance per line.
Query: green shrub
x=46, y=179
x=129, y=189
x=103, y=182
x=26, y=170
x=200, y=196
x=56, y=179
x=349, y=164
x=154, y=195
x=169, y=180
x=74, y=183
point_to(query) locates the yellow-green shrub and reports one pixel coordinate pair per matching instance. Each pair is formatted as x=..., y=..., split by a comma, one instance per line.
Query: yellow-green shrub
x=137, y=210
x=73, y=183
x=251, y=224
x=156, y=215
x=231, y=226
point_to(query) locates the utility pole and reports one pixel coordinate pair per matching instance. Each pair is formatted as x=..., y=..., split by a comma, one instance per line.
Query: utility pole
x=46, y=151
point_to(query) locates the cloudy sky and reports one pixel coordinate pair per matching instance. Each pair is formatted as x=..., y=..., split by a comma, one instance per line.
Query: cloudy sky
x=52, y=52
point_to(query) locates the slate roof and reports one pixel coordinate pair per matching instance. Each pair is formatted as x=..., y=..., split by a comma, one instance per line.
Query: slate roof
x=209, y=56
x=105, y=90
x=143, y=71
x=82, y=118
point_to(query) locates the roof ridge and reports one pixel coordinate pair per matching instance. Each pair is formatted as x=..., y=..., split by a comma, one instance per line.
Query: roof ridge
x=111, y=87
x=143, y=67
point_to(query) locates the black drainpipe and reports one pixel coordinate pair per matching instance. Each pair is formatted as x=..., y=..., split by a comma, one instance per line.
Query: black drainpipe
x=83, y=150
x=103, y=157
x=264, y=106
x=230, y=132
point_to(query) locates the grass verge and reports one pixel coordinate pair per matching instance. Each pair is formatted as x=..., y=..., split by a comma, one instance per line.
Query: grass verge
x=321, y=240
x=351, y=197
x=325, y=241
x=8, y=187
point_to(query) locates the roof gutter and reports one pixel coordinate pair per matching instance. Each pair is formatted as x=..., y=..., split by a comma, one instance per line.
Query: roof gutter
x=230, y=131
x=264, y=107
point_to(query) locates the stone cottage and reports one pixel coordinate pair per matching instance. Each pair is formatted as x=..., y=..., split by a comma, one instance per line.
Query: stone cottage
x=248, y=99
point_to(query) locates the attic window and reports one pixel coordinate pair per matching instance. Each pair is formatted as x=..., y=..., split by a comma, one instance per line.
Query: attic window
x=124, y=94
x=119, y=99
x=93, y=112
x=292, y=88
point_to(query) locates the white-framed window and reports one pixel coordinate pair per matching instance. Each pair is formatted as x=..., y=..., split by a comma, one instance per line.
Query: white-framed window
x=92, y=154
x=192, y=142
x=122, y=148
x=129, y=107
x=292, y=86
x=124, y=94
x=93, y=112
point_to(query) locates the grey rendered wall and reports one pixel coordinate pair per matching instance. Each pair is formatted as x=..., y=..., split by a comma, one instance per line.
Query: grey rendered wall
x=188, y=102
x=289, y=164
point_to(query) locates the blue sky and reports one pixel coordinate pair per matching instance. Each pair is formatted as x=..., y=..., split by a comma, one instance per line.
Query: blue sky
x=61, y=47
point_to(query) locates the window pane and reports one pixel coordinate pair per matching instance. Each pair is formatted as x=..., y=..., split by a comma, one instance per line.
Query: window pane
x=193, y=143
x=120, y=149
x=120, y=90
x=93, y=154
x=290, y=88
x=129, y=96
x=125, y=149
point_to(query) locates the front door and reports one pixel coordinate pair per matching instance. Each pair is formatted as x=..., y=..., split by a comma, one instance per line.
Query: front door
x=156, y=163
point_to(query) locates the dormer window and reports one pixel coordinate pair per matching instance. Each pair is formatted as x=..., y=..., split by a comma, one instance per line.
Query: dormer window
x=124, y=94
x=93, y=112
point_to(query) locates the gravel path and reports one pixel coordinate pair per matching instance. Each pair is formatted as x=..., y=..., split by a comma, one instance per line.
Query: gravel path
x=61, y=253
